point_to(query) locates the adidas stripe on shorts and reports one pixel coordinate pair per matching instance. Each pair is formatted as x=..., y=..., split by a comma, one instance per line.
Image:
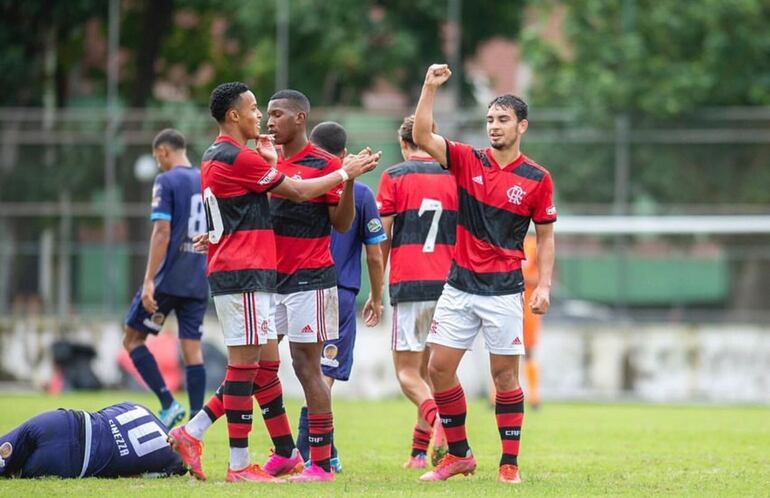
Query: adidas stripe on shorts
x=460, y=316
x=308, y=316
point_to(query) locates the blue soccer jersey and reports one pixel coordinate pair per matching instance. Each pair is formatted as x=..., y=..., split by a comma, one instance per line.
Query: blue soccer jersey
x=176, y=197
x=366, y=229
x=120, y=440
x=125, y=440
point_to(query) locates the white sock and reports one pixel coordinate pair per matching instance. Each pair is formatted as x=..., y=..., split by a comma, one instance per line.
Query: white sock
x=239, y=458
x=198, y=425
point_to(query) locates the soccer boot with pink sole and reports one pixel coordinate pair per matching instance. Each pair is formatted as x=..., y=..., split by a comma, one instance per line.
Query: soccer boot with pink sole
x=189, y=449
x=417, y=462
x=509, y=474
x=278, y=466
x=439, y=446
x=252, y=473
x=450, y=466
x=314, y=473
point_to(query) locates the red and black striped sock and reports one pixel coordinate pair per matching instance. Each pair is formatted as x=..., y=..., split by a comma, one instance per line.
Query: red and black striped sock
x=452, y=410
x=420, y=441
x=239, y=385
x=428, y=411
x=215, y=407
x=320, y=433
x=509, y=411
x=269, y=395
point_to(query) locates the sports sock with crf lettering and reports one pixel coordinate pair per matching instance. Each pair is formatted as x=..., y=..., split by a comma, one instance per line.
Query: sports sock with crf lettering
x=509, y=411
x=452, y=410
x=239, y=385
x=320, y=429
x=269, y=395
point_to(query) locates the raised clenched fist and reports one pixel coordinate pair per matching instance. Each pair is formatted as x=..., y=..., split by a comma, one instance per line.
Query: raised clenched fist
x=437, y=75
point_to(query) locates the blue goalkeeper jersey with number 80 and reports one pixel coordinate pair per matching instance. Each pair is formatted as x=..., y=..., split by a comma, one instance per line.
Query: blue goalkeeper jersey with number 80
x=176, y=198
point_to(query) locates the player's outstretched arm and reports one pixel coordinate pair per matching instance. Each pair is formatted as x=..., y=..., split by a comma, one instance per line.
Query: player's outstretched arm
x=546, y=253
x=304, y=190
x=423, y=135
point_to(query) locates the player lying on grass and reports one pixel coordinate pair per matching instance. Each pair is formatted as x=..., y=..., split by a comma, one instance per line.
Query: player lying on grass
x=120, y=440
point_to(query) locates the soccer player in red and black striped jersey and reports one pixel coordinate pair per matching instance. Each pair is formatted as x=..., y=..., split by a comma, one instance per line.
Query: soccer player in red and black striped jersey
x=500, y=191
x=242, y=268
x=418, y=205
x=306, y=301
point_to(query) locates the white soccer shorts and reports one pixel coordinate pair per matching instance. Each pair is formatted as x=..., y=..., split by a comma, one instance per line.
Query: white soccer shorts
x=246, y=318
x=411, y=324
x=308, y=316
x=460, y=316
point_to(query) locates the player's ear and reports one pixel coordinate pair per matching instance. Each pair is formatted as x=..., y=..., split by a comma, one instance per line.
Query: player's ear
x=523, y=125
x=301, y=118
x=233, y=113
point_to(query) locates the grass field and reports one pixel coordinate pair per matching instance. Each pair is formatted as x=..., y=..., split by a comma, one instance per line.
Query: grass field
x=567, y=450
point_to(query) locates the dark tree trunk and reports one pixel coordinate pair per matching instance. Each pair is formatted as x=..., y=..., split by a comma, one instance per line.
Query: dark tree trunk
x=156, y=21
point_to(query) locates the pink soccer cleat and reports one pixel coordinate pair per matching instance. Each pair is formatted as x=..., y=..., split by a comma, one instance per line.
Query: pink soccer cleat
x=417, y=462
x=278, y=465
x=252, y=473
x=189, y=449
x=509, y=474
x=314, y=473
x=450, y=466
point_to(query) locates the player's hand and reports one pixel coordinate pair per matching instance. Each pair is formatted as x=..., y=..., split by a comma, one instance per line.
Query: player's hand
x=437, y=75
x=363, y=162
x=266, y=149
x=540, y=300
x=201, y=243
x=148, y=297
x=372, y=312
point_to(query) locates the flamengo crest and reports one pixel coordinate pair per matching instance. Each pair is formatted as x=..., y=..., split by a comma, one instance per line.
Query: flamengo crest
x=515, y=195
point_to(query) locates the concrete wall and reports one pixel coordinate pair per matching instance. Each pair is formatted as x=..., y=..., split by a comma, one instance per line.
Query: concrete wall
x=659, y=362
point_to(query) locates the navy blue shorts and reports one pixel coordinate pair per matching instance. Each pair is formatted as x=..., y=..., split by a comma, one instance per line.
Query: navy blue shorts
x=189, y=315
x=337, y=356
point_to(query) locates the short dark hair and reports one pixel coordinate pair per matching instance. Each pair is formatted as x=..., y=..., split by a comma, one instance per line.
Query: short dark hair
x=512, y=102
x=224, y=97
x=171, y=137
x=330, y=136
x=298, y=99
x=406, y=129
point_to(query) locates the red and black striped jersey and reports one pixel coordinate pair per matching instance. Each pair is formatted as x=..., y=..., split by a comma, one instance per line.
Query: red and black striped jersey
x=495, y=208
x=422, y=198
x=241, y=254
x=303, y=229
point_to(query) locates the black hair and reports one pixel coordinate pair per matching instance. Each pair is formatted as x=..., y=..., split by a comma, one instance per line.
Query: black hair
x=296, y=98
x=407, y=128
x=224, y=97
x=512, y=102
x=171, y=137
x=330, y=136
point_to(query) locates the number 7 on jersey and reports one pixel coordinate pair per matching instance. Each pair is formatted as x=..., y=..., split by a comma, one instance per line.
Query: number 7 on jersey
x=431, y=205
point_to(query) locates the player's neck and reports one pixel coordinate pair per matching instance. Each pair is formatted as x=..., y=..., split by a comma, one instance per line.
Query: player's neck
x=504, y=157
x=295, y=145
x=234, y=133
x=180, y=161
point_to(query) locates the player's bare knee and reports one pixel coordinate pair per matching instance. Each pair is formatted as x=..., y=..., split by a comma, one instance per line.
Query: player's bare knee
x=505, y=380
x=132, y=339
